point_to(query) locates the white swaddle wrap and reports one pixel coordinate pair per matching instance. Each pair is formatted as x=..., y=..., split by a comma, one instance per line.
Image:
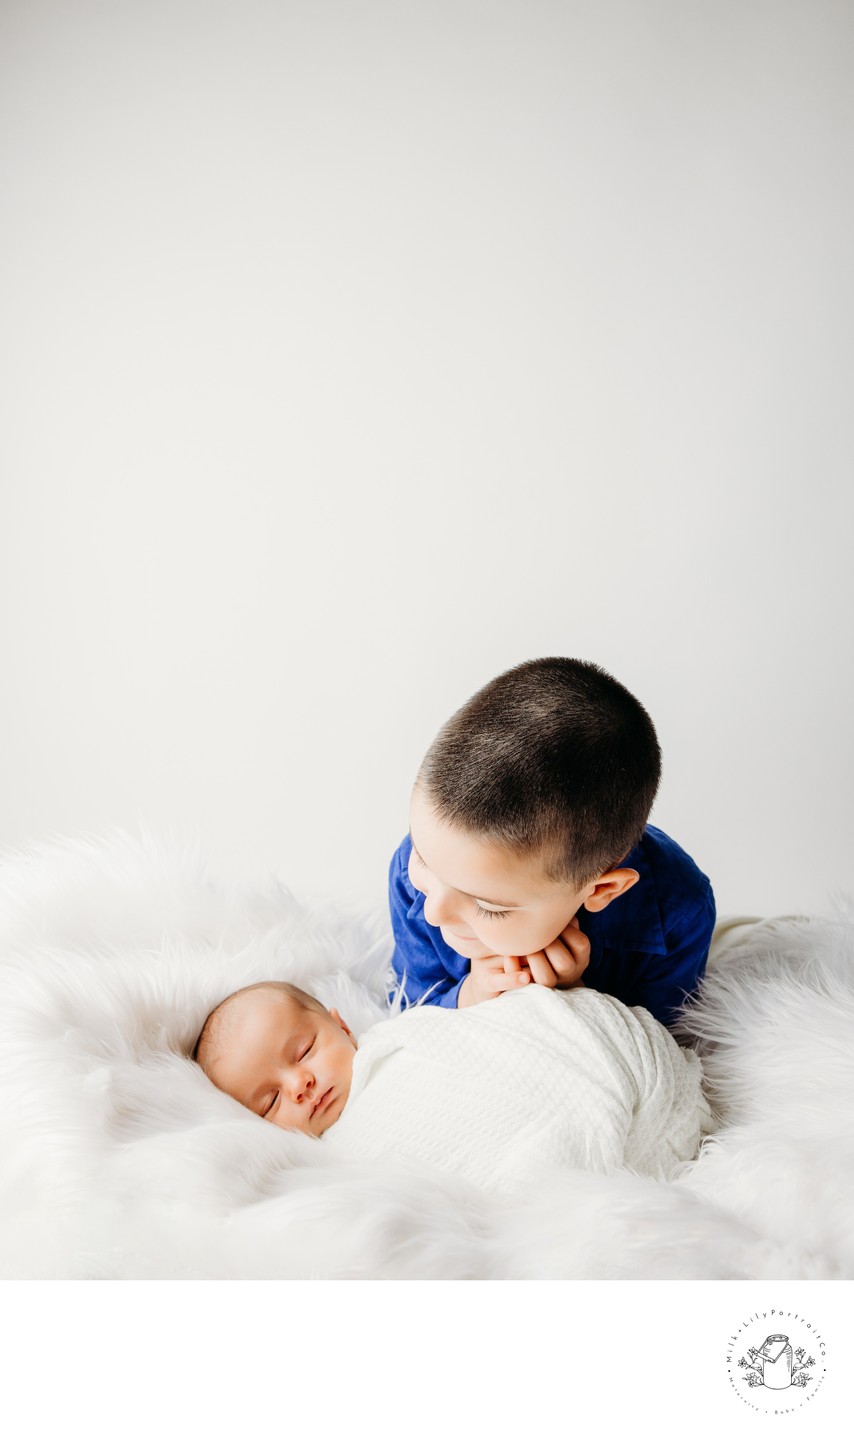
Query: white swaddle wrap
x=536, y=1076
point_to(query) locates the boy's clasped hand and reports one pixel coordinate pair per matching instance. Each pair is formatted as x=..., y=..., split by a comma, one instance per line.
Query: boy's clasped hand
x=560, y=965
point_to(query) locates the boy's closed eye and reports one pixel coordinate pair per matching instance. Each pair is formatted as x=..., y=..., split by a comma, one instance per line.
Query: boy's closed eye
x=482, y=912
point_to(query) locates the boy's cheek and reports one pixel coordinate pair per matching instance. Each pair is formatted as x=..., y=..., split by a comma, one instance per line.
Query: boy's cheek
x=532, y=940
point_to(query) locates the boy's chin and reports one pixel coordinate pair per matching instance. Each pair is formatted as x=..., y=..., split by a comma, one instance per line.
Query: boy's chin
x=469, y=948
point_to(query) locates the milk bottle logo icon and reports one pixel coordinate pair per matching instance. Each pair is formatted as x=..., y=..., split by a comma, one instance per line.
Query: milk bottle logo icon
x=776, y=1356
x=775, y=1365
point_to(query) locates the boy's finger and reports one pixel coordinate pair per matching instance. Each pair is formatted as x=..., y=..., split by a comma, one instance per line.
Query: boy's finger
x=512, y=964
x=499, y=982
x=577, y=942
x=541, y=970
x=566, y=964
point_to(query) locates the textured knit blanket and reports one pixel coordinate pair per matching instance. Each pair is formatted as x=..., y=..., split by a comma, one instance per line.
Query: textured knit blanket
x=536, y=1077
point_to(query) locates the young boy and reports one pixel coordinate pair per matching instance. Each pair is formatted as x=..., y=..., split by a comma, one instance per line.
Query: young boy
x=529, y=858
x=572, y=1079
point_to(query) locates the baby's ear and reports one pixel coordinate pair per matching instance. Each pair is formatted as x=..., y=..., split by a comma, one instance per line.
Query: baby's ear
x=334, y=1014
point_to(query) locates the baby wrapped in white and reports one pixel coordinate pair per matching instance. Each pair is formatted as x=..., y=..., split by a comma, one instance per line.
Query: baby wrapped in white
x=537, y=1076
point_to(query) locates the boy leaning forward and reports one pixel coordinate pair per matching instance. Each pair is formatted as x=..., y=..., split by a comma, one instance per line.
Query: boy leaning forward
x=529, y=858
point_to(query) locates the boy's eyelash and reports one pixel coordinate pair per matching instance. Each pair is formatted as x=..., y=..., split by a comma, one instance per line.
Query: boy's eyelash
x=491, y=913
x=484, y=913
x=270, y=1106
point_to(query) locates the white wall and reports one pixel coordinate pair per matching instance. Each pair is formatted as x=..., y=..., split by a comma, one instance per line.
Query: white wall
x=353, y=352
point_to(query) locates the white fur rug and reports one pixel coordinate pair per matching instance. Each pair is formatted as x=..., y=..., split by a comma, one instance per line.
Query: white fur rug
x=120, y=1160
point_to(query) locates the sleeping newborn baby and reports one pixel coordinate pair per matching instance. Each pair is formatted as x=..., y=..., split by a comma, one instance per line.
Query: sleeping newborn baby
x=536, y=1076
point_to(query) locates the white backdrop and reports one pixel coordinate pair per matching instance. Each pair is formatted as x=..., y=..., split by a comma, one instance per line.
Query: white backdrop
x=354, y=351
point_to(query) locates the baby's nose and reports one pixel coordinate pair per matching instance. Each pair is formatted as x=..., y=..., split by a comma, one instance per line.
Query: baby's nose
x=302, y=1086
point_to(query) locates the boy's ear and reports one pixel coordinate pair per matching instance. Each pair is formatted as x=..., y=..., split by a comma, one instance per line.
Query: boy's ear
x=610, y=886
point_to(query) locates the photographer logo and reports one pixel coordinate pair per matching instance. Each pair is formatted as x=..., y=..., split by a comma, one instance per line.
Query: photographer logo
x=776, y=1360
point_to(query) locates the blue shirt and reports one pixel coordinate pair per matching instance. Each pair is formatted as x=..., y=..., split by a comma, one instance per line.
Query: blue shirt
x=648, y=947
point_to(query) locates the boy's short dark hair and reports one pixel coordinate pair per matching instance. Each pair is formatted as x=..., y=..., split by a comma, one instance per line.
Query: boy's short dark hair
x=553, y=757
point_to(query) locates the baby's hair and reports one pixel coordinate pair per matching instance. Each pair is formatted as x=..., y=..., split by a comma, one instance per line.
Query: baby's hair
x=216, y=1023
x=553, y=758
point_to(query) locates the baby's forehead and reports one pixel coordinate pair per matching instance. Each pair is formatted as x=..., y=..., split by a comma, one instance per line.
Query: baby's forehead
x=249, y=1027
x=254, y=1012
x=277, y=1002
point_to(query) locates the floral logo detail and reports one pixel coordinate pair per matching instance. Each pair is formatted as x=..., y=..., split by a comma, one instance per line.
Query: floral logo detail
x=776, y=1365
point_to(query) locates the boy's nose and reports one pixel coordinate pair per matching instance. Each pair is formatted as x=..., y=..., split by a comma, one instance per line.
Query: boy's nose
x=440, y=905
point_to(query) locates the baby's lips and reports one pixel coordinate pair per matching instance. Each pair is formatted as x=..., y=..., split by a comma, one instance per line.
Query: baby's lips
x=321, y=1100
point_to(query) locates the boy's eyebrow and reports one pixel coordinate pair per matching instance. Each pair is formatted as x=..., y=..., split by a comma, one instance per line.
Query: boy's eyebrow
x=497, y=903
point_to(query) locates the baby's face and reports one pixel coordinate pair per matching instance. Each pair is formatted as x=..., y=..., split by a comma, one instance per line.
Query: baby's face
x=290, y=1065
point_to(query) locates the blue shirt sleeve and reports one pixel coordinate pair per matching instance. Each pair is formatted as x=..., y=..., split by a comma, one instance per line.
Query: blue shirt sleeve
x=666, y=982
x=649, y=946
x=424, y=966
